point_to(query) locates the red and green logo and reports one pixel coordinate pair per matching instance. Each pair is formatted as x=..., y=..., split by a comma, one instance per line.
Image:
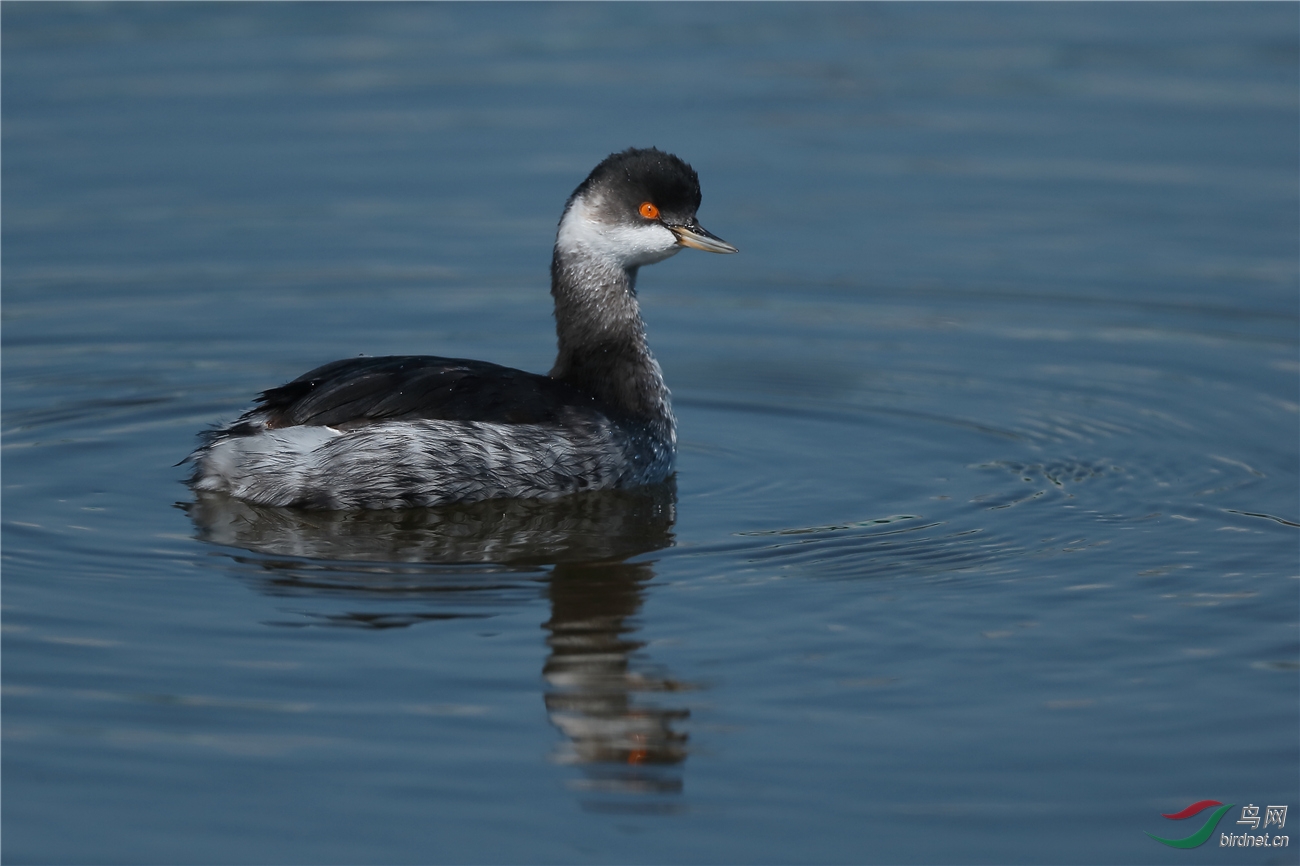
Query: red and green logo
x=1199, y=837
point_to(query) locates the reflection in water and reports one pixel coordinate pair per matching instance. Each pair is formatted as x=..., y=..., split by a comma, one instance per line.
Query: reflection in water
x=600, y=526
x=428, y=564
x=592, y=683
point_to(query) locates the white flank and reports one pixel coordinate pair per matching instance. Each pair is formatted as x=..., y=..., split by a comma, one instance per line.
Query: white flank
x=242, y=464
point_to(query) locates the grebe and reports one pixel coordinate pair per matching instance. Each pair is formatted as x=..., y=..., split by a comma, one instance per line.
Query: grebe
x=402, y=431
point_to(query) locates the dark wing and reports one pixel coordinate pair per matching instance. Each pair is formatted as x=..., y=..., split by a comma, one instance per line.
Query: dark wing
x=357, y=391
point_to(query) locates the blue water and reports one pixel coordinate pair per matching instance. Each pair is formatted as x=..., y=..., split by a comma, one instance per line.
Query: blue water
x=983, y=545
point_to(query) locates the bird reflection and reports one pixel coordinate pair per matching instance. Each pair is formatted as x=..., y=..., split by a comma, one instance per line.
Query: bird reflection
x=396, y=568
x=592, y=683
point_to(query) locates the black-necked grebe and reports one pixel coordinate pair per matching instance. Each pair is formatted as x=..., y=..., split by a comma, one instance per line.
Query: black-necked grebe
x=415, y=430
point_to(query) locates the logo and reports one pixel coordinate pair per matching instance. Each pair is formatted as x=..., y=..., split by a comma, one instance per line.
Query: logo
x=1199, y=837
x=1249, y=816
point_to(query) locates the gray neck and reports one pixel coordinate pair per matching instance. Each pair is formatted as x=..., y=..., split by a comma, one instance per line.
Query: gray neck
x=602, y=344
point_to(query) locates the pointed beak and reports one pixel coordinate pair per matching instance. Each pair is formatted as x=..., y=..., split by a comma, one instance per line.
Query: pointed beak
x=695, y=236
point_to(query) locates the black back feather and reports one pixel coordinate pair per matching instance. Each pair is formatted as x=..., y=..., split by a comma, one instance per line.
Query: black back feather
x=357, y=391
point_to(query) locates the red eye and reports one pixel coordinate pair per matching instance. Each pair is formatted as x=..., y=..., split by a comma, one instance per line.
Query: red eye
x=648, y=210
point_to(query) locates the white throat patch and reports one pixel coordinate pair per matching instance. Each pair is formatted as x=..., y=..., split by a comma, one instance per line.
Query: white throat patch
x=583, y=234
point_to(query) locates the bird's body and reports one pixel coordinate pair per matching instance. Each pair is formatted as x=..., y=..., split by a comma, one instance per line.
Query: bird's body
x=404, y=431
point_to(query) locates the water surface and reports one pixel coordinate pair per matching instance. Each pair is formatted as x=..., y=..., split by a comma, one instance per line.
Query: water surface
x=983, y=543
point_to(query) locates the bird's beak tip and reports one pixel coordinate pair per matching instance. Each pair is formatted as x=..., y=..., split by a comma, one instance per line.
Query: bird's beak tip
x=698, y=238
